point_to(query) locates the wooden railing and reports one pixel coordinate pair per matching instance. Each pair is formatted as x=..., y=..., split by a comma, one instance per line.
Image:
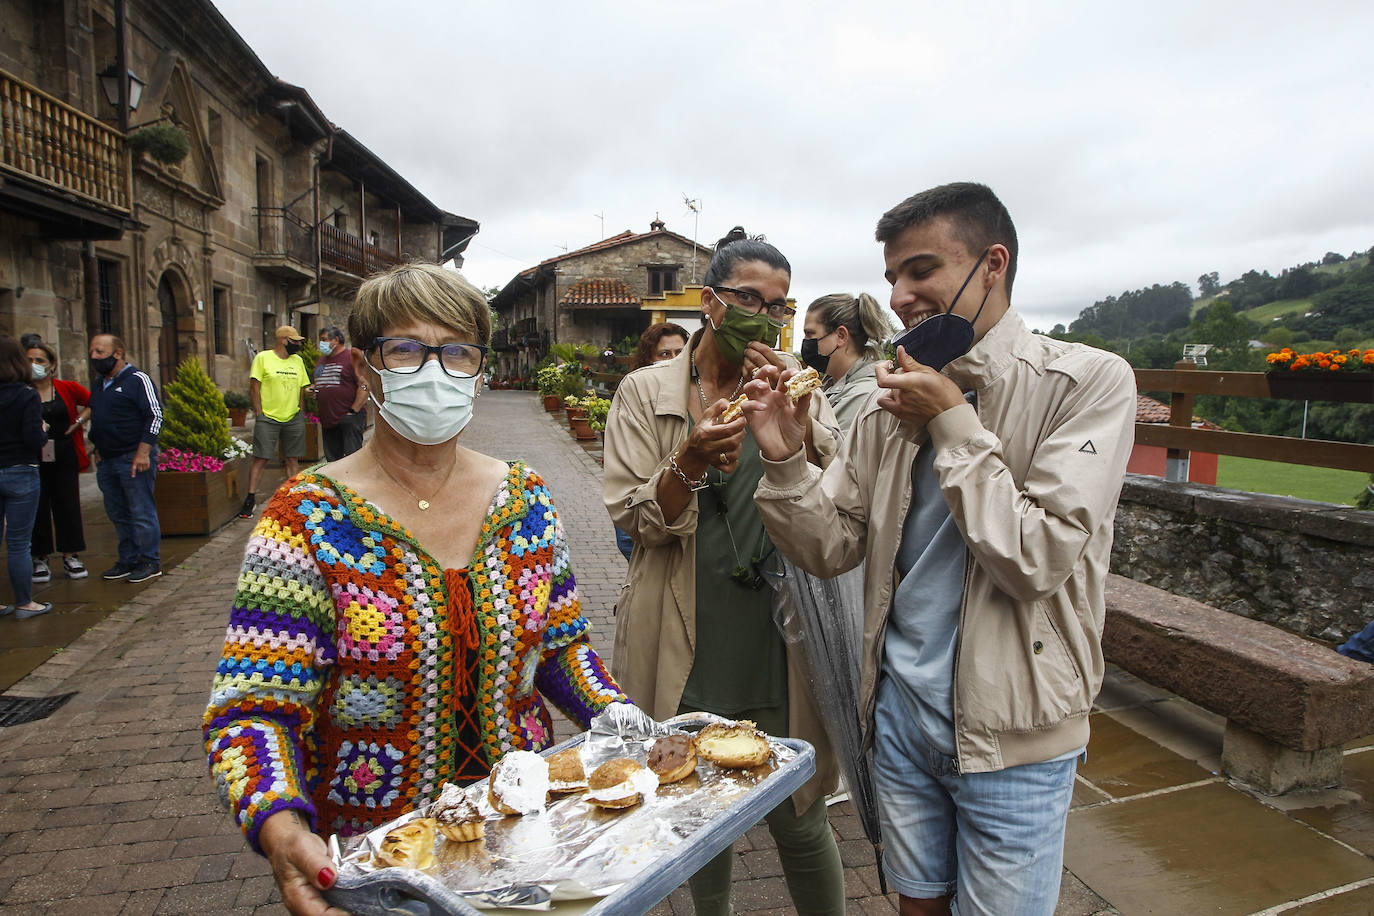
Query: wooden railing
x=48, y=140
x=345, y=251
x=283, y=233
x=1180, y=438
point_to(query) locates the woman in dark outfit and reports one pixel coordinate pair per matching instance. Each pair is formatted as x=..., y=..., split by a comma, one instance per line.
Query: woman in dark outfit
x=21, y=442
x=66, y=409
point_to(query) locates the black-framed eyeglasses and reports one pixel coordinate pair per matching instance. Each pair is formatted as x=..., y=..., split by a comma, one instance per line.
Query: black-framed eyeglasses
x=406, y=355
x=779, y=313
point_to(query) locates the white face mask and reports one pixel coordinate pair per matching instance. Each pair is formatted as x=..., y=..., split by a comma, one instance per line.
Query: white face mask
x=429, y=406
x=39, y=372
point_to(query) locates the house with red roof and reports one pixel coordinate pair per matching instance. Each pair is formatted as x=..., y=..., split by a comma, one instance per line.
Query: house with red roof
x=1151, y=459
x=596, y=294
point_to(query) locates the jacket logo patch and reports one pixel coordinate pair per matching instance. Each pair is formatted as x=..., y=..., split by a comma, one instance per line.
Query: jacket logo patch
x=1087, y=448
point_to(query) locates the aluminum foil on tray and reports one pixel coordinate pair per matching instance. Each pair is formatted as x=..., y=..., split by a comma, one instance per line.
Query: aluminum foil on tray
x=573, y=849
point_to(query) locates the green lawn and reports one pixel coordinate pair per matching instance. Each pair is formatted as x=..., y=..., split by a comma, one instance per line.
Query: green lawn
x=1264, y=314
x=1322, y=484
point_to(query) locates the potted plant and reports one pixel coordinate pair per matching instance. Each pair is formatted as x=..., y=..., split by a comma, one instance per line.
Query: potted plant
x=165, y=143
x=597, y=408
x=201, y=473
x=550, y=381
x=1331, y=375
x=238, y=405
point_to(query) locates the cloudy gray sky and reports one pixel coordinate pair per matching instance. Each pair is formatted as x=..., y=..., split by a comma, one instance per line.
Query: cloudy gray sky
x=1131, y=145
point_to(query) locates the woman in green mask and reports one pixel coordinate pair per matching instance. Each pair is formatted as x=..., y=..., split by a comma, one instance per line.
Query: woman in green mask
x=694, y=624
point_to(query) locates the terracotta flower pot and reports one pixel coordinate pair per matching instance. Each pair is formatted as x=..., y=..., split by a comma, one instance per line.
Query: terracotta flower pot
x=581, y=429
x=552, y=403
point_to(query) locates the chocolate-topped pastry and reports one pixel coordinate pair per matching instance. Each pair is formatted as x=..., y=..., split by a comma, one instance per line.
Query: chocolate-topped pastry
x=456, y=816
x=673, y=758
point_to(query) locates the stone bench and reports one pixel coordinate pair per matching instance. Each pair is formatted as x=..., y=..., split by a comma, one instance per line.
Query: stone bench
x=1290, y=704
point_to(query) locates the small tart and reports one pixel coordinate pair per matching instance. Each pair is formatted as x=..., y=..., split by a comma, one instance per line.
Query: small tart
x=565, y=772
x=619, y=783
x=802, y=383
x=456, y=816
x=673, y=758
x=519, y=783
x=409, y=846
x=734, y=747
x=734, y=410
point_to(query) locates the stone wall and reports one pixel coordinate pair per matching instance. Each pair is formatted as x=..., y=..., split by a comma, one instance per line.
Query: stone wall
x=1304, y=566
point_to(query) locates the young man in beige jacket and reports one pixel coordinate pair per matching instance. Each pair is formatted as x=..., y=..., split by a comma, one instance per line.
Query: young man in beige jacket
x=985, y=474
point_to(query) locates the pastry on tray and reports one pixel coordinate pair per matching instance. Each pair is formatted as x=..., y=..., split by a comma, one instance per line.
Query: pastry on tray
x=410, y=845
x=734, y=747
x=519, y=783
x=456, y=817
x=673, y=758
x=565, y=772
x=619, y=783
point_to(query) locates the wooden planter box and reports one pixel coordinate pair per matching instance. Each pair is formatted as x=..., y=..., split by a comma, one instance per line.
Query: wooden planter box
x=1347, y=387
x=199, y=502
x=314, y=446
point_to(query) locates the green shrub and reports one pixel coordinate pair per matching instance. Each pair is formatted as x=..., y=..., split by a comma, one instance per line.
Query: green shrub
x=166, y=143
x=193, y=412
x=237, y=400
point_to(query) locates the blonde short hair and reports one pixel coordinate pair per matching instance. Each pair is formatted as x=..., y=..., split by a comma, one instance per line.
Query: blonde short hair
x=418, y=291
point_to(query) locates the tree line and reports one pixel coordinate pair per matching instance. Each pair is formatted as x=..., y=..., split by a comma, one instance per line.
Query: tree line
x=1150, y=326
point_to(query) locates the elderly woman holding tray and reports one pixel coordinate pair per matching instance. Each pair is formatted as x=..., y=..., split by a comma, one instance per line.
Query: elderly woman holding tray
x=402, y=614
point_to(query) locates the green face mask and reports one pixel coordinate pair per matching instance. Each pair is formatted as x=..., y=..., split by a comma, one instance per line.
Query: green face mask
x=737, y=328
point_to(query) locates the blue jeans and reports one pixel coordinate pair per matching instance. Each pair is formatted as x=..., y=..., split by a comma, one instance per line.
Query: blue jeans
x=1360, y=646
x=625, y=543
x=18, y=507
x=994, y=840
x=131, y=507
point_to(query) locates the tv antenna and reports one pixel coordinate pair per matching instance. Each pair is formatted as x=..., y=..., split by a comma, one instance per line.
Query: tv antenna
x=601, y=216
x=694, y=204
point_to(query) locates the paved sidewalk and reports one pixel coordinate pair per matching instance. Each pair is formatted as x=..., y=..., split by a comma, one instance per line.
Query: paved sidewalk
x=105, y=807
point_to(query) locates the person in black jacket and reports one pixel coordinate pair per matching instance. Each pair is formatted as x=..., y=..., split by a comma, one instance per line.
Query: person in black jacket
x=21, y=446
x=126, y=418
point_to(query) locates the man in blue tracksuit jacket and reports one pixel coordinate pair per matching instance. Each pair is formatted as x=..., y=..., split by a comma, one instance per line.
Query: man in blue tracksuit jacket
x=125, y=420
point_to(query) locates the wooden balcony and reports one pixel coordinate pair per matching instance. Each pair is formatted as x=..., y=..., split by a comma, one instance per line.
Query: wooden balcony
x=286, y=244
x=53, y=147
x=343, y=251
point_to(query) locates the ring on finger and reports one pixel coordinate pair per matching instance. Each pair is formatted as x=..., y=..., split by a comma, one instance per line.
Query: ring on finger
x=724, y=459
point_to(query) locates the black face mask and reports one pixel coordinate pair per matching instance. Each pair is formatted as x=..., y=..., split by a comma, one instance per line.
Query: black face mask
x=945, y=337
x=103, y=366
x=293, y=348
x=811, y=353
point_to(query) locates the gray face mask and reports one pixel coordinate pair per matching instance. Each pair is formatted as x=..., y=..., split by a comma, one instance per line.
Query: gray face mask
x=943, y=338
x=39, y=372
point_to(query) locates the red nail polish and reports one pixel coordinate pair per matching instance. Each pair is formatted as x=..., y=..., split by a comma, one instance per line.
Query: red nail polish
x=326, y=877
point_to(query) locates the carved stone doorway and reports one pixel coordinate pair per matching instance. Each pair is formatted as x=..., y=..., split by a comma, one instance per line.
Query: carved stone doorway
x=173, y=300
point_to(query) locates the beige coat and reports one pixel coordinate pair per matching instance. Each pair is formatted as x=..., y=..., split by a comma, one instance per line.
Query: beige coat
x=1032, y=478
x=656, y=613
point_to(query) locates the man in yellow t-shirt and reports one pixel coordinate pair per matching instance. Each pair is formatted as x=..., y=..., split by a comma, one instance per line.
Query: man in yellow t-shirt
x=277, y=389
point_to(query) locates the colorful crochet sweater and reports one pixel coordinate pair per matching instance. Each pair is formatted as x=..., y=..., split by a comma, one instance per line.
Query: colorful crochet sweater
x=342, y=689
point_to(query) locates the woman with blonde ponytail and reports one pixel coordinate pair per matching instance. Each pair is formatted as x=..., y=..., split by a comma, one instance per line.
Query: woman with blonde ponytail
x=844, y=340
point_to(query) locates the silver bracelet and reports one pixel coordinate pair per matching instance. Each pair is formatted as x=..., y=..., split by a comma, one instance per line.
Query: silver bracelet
x=689, y=483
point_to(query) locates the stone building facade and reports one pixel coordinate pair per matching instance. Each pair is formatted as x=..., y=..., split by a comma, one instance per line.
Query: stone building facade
x=273, y=216
x=596, y=295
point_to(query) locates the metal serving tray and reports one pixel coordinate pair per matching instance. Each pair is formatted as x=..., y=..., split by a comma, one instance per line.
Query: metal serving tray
x=404, y=892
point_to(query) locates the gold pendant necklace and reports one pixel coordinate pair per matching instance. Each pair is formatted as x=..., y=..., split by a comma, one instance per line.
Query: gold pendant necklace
x=701, y=392
x=419, y=500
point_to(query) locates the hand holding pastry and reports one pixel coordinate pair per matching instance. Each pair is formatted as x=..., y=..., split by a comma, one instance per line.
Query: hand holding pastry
x=779, y=424
x=915, y=393
x=713, y=443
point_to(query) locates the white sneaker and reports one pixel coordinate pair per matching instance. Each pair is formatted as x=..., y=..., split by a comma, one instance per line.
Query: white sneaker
x=41, y=573
x=74, y=568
